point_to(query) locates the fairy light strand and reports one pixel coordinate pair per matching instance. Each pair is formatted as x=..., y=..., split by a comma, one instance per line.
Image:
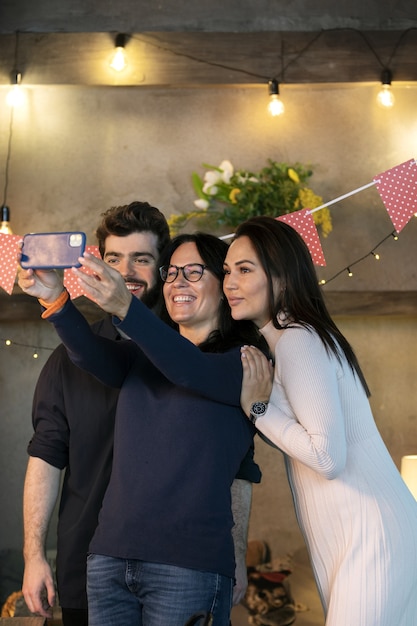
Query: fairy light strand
x=284, y=66
x=348, y=267
x=8, y=343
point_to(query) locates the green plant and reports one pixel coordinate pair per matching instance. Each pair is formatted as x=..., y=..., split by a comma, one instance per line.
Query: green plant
x=227, y=197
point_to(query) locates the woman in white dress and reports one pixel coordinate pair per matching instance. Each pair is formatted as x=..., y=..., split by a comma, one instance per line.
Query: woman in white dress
x=357, y=515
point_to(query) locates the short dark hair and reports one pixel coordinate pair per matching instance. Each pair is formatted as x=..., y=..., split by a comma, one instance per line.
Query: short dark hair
x=136, y=217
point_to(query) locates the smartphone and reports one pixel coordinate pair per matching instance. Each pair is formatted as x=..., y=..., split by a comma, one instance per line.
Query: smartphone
x=52, y=250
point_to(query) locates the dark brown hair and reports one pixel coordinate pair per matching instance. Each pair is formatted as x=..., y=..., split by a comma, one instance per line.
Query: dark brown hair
x=284, y=256
x=136, y=217
x=230, y=333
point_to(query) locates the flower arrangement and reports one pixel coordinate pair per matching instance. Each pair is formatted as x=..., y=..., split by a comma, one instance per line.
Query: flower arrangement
x=227, y=197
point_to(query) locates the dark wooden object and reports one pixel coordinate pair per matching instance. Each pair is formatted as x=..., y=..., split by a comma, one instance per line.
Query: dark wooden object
x=212, y=58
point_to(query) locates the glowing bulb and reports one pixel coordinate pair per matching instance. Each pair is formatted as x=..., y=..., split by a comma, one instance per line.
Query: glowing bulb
x=8, y=342
x=376, y=255
x=349, y=271
x=119, y=60
x=5, y=221
x=275, y=105
x=15, y=97
x=385, y=97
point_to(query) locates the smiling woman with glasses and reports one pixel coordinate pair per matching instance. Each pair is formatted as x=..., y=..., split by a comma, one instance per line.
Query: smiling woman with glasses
x=180, y=431
x=191, y=272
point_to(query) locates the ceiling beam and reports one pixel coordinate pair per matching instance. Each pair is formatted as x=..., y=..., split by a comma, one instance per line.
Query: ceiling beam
x=191, y=59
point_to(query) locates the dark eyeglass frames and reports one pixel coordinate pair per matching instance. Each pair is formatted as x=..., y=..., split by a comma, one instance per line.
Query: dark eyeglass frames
x=191, y=272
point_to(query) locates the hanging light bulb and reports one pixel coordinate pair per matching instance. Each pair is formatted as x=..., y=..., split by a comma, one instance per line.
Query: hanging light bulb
x=385, y=97
x=275, y=105
x=15, y=96
x=119, y=60
x=5, y=221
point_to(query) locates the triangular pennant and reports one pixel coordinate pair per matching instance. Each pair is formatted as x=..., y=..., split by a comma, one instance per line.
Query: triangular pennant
x=70, y=280
x=8, y=255
x=302, y=221
x=398, y=190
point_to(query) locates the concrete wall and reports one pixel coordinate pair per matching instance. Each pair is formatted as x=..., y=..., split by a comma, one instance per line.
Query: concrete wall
x=77, y=151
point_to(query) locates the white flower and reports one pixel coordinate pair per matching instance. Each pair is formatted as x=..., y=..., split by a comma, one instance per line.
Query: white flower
x=201, y=203
x=210, y=189
x=227, y=171
x=212, y=177
x=244, y=179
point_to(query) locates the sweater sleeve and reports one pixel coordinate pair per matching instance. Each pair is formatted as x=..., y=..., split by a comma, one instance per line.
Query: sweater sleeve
x=108, y=360
x=215, y=376
x=304, y=417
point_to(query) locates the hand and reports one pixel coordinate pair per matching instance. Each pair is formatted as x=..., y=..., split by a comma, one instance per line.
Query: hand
x=38, y=587
x=44, y=284
x=258, y=374
x=106, y=286
x=241, y=579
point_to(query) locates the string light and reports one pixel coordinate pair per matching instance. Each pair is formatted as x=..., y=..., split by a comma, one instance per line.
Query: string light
x=348, y=268
x=5, y=221
x=385, y=97
x=16, y=96
x=36, y=349
x=119, y=60
x=275, y=105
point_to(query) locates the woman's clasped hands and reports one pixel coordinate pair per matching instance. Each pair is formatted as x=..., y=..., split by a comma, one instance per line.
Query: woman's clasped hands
x=258, y=374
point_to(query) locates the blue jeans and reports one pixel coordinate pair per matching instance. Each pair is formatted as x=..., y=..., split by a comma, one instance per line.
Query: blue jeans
x=129, y=592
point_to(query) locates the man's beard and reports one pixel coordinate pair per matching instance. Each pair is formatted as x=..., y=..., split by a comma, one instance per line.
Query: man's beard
x=151, y=296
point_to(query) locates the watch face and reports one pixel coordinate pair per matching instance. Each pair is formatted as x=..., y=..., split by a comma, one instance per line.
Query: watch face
x=258, y=408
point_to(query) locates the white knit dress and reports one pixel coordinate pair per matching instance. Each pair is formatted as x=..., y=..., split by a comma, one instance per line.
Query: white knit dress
x=357, y=515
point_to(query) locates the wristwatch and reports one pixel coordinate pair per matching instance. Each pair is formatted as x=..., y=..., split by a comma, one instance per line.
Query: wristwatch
x=258, y=409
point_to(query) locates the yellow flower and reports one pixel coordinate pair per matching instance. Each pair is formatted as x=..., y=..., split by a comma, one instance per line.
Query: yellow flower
x=293, y=175
x=232, y=195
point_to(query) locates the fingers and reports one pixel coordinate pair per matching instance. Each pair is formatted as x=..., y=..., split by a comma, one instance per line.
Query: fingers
x=41, y=601
x=255, y=362
x=257, y=377
x=103, y=285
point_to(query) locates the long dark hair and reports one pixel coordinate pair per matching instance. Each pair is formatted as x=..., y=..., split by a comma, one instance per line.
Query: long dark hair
x=284, y=256
x=229, y=333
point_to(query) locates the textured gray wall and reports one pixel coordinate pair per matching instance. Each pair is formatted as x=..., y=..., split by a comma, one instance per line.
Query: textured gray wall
x=77, y=151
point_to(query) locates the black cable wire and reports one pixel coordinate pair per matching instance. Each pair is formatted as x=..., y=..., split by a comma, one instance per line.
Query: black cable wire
x=284, y=67
x=348, y=267
x=9, y=144
x=9, y=152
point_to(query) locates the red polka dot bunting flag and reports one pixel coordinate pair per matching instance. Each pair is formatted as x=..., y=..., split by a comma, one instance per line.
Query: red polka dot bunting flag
x=70, y=280
x=302, y=221
x=398, y=190
x=8, y=265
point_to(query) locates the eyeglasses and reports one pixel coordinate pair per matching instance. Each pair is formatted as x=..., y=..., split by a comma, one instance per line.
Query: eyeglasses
x=191, y=272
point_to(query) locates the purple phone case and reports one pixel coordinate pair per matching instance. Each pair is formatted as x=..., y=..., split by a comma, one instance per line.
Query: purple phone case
x=52, y=250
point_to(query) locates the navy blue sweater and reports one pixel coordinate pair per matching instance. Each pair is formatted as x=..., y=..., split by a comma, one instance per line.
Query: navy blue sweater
x=180, y=437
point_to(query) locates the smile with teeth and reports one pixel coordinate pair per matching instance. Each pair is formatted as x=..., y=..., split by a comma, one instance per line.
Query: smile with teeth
x=180, y=299
x=134, y=286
